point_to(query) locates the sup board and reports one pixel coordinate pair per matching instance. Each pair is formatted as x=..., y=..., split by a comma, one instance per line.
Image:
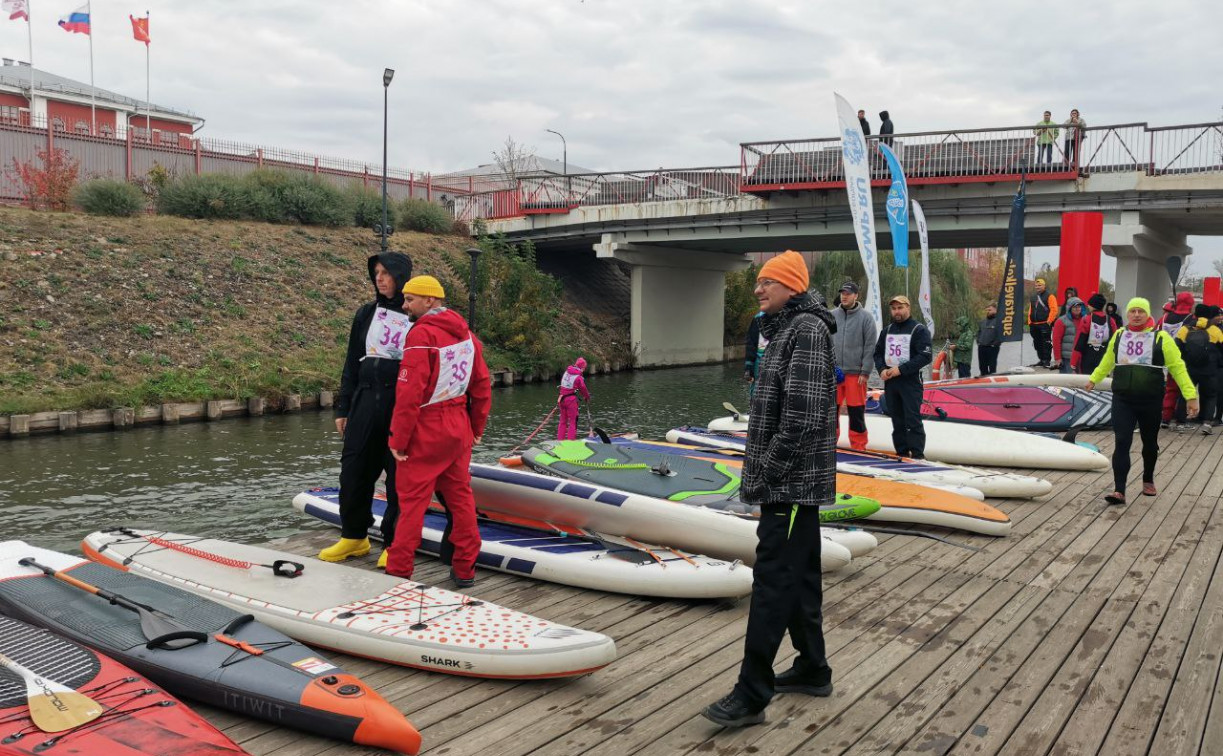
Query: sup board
x=1067, y=380
x=359, y=612
x=899, y=502
x=892, y=467
x=130, y=715
x=198, y=649
x=1035, y=408
x=963, y=444
x=571, y=503
x=568, y=556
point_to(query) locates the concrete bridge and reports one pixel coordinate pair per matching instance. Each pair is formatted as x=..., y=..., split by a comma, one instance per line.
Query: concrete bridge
x=682, y=230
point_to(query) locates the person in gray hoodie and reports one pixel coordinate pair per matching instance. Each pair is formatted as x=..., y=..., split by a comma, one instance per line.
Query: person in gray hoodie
x=853, y=348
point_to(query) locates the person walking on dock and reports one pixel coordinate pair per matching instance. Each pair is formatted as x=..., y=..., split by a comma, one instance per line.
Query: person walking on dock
x=789, y=470
x=364, y=406
x=1139, y=353
x=853, y=344
x=442, y=402
x=572, y=384
x=901, y=353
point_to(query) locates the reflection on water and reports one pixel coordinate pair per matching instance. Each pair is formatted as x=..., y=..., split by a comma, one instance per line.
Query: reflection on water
x=235, y=478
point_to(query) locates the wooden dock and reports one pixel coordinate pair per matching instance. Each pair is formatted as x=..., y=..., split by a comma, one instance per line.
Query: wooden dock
x=1090, y=629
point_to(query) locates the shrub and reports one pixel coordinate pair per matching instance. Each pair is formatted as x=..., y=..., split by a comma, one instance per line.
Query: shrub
x=424, y=216
x=211, y=195
x=109, y=197
x=49, y=186
x=367, y=207
x=313, y=202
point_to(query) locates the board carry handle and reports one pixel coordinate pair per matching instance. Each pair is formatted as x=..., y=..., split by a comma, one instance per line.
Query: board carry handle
x=166, y=641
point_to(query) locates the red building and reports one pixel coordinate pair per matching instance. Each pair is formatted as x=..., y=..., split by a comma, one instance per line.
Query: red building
x=30, y=97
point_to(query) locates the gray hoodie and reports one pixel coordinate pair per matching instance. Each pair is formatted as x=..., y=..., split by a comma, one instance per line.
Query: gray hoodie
x=853, y=344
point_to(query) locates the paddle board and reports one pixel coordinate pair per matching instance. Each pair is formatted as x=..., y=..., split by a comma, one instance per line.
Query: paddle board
x=567, y=556
x=523, y=493
x=359, y=612
x=963, y=444
x=1068, y=380
x=899, y=502
x=133, y=716
x=1035, y=408
x=891, y=467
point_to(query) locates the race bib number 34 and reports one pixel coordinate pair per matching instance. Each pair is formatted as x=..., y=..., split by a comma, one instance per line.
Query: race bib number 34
x=387, y=334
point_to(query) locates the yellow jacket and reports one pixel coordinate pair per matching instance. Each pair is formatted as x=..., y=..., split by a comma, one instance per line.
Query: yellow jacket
x=1172, y=360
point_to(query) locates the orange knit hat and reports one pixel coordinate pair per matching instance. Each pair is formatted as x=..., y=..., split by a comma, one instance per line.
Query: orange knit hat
x=788, y=269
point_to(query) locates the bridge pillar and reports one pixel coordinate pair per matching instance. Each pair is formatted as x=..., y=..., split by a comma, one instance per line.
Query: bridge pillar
x=1142, y=252
x=678, y=301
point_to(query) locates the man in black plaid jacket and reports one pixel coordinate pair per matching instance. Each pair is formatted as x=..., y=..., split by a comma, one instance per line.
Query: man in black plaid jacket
x=789, y=470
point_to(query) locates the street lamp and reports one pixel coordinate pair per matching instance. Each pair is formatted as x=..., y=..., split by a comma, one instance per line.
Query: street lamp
x=387, y=75
x=565, y=161
x=471, y=289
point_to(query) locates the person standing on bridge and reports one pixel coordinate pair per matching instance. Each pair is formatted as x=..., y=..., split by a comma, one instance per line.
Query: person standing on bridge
x=1074, y=128
x=901, y=353
x=886, y=128
x=1042, y=311
x=853, y=344
x=1046, y=136
x=865, y=124
x=364, y=406
x=789, y=470
x=1140, y=352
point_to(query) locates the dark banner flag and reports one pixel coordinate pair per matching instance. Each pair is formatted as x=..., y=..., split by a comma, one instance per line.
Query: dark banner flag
x=1010, y=297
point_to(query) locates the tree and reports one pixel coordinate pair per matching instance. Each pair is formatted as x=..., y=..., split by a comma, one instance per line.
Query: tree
x=515, y=160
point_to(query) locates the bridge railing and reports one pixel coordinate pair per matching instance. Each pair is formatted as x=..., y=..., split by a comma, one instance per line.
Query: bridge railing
x=934, y=157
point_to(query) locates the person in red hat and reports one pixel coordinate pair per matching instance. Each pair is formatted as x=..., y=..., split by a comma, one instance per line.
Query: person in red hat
x=442, y=402
x=1176, y=314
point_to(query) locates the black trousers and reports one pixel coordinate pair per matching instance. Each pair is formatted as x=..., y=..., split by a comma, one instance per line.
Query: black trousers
x=902, y=397
x=1090, y=360
x=364, y=458
x=987, y=356
x=1128, y=413
x=1207, y=382
x=1041, y=334
x=787, y=594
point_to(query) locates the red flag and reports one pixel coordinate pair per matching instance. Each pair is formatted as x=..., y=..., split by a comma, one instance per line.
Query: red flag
x=140, y=29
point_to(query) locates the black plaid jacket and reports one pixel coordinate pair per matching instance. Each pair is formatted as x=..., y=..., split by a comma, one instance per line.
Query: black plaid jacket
x=792, y=431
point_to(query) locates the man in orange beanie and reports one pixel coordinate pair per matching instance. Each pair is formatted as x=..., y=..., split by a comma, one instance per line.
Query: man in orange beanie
x=789, y=470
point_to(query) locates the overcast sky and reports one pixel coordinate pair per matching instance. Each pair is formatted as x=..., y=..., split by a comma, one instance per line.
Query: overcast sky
x=635, y=84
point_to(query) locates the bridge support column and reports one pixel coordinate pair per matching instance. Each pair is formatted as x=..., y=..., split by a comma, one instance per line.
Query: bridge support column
x=1142, y=253
x=678, y=302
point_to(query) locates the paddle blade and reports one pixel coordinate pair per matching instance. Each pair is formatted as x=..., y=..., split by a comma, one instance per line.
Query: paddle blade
x=54, y=707
x=1173, y=264
x=731, y=409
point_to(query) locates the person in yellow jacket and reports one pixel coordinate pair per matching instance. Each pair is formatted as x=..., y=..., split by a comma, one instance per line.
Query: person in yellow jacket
x=1041, y=314
x=1136, y=356
x=1200, y=342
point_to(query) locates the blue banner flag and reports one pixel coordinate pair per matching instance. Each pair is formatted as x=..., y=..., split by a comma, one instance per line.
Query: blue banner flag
x=898, y=208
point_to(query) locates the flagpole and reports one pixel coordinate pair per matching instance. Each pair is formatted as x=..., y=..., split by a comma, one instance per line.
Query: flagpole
x=148, y=100
x=30, y=34
x=93, y=98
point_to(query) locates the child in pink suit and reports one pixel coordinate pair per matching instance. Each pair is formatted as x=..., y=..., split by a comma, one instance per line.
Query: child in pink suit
x=571, y=383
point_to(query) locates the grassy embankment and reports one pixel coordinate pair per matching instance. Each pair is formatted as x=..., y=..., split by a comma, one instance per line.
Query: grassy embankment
x=102, y=312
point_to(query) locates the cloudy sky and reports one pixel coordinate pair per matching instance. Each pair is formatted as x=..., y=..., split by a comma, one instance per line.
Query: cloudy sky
x=634, y=84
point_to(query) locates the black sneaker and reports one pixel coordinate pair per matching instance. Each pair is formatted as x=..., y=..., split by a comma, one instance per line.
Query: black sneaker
x=791, y=681
x=462, y=582
x=732, y=711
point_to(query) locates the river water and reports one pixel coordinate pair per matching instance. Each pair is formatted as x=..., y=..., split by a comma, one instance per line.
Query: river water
x=234, y=479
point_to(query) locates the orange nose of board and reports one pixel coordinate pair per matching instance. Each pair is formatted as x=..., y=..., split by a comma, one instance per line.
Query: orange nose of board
x=380, y=724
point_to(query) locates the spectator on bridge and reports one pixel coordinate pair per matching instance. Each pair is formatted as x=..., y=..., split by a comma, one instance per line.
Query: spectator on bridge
x=1139, y=352
x=853, y=345
x=1046, y=136
x=902, y=351
x=1042, y=311
x=1073, y=126
x=989, y=341
x=866, y=125
x=789, y=470
x=885, y=129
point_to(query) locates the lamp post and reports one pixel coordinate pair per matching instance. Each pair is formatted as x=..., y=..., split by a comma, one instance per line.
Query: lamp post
x=471, y=289
x=387, y=75
x=564, y=161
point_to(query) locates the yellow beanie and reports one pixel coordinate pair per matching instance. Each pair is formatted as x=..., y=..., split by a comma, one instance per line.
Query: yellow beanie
x=1139, y=303
x=424, y=286
x=788, y=269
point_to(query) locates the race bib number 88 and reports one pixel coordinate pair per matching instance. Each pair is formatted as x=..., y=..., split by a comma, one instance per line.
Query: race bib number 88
x=1136, y=348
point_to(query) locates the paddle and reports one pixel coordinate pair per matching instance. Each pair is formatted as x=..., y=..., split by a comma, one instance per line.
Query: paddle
x=731, y=409
x=899, y=531
x=54, y=707
x=1173, y=264
x=160, y=629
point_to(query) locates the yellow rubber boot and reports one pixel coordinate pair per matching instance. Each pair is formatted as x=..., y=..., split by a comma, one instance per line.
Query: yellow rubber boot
x=382, y=559
x=347, y=548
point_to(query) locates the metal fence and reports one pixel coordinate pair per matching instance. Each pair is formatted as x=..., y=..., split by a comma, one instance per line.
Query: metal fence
x=133, y=153
x=936, y=157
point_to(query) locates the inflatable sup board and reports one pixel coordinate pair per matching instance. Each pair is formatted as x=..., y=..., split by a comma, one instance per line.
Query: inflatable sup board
x=1035, y=408
x=359, y=612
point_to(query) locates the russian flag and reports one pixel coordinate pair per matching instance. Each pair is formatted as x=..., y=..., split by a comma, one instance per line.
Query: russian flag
x=77, y=22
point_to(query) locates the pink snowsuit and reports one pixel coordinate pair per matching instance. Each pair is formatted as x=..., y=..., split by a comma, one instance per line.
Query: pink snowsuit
x=571, y=384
